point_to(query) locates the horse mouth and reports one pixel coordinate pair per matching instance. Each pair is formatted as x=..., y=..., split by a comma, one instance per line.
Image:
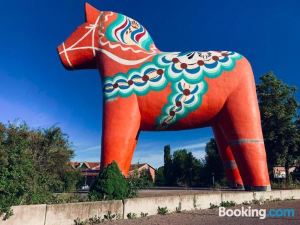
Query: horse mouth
x=63, y=56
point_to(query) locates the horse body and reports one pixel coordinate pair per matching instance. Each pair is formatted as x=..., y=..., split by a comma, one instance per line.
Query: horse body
x=146, y=89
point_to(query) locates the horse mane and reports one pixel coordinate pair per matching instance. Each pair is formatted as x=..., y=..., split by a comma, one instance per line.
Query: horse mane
x=127, y=31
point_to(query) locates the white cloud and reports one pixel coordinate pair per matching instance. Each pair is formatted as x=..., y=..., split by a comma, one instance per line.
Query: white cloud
x=199, y=154
x=90, y=149
x=193, y=146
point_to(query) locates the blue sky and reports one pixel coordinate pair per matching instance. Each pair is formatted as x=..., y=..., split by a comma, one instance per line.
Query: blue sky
x=34, y=86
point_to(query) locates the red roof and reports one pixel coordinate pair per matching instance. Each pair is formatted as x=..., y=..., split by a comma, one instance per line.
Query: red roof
x=93, y=168
x=74, y=164
x=136, y=166
x=93, y=165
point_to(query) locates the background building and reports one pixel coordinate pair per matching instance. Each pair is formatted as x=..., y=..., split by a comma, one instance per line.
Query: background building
x=90, y=171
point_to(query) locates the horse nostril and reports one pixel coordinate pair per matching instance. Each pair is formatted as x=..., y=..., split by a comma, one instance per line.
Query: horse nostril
x=64, y=58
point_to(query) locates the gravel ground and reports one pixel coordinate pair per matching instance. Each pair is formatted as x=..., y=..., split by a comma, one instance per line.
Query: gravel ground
x=210, y=216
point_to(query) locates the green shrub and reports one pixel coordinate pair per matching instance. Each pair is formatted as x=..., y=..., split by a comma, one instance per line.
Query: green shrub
x=110, y=217
x=162, y=210
x=32, y=165
x=246, y=203
x=144, y=214
x=78, y=221
x=212, y=206
x=139, y=181
x=110, y=184
x=131, y=215
x=227, y=204
x=133, y=185
x=256, y=201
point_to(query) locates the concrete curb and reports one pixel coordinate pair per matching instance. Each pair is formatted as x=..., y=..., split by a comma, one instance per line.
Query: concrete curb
x=66, y=213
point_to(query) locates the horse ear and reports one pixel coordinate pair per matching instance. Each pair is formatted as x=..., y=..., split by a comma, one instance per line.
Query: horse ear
x=91, y=13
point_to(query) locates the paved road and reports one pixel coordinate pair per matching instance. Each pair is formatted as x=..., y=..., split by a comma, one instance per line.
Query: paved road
x=210, y=217
x=168, y=191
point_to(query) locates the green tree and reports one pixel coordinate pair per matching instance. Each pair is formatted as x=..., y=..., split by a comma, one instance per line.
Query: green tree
x=17, y=169
x=278, y=108
x=185, y=168
x=139, y=180
x=33, y=164
x=213, y=162
x=71, y=180
x=51, y=152
x=168, y=170
x=110, y=184
x=146, y=179
x=134, y=183
x=159, y=176
x=181, y=168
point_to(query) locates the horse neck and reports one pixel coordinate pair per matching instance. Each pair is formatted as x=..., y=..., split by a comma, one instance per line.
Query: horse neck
x=115, y=57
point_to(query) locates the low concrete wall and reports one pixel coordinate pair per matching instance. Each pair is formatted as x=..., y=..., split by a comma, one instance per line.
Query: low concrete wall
x=187, y=202
x=150, y=205
x=26, y=215
x=204, y=201
x=65, y=214
x=288, y=194
x=270, y=195
x=237, y=197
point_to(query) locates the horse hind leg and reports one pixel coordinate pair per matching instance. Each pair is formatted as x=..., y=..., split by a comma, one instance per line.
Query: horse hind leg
x=231, y=170
x=241, y=125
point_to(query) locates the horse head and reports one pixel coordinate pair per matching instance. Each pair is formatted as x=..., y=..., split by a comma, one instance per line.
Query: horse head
x=103, y=31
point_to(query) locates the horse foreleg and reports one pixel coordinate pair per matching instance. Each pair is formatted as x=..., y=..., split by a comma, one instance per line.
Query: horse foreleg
x=231, y=170
x=121, y=123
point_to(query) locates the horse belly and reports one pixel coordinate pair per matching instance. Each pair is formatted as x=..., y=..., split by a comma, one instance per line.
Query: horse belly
x=204, y=115
x=151, y=106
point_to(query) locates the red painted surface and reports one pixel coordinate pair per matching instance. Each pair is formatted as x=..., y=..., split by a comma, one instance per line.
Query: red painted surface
x=229, y=106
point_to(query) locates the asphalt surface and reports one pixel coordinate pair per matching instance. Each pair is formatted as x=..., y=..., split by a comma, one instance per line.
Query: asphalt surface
x=169, y=191
x=211, y=217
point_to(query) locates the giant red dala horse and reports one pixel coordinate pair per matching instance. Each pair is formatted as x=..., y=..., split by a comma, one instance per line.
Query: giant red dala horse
x=147, y=89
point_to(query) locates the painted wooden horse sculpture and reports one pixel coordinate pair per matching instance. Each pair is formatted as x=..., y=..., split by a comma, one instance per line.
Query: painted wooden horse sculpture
x=146, y=89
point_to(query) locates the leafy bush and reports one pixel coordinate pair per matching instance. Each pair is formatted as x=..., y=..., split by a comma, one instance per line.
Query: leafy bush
x=139, y=181
x=133, y=185
x=16, y=168
x=146, y=179
x=97, y=219
x=32, y=165
x=213, y=206
x=110, y=184
x=110, y=216
x=227, y=204
x=162, y=210
x=131, y=215
x=144, y=214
